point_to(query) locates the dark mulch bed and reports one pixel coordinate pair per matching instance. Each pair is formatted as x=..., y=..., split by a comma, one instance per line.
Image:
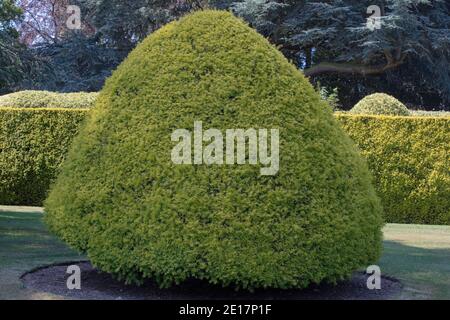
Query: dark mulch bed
x=98, y=285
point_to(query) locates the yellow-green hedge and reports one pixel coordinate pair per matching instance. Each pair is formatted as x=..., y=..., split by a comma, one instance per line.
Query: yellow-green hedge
x=408, y=157
x=410, y=161
x=47, y=99
x=33, y=143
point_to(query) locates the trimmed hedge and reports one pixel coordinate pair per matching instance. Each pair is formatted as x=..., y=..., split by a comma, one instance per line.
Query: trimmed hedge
x=386, y=142
x=33, y=143
x=47, y=99
x=410, y=160
x=435, y=114
x=380, y=104
x=137, y=215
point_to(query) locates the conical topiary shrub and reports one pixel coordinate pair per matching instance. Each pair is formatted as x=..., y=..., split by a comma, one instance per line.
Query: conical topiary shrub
x=123, y=200
x=380, y=104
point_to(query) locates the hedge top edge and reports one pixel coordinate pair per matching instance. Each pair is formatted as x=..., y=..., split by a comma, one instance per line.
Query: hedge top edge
x=44, y=109
x=47, y=99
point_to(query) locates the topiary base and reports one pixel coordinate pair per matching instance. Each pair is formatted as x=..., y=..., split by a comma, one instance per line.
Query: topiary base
x=98, y=285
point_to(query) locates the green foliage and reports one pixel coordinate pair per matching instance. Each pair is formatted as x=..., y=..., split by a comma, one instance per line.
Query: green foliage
x=9, y=12
x=82, y=60
x=262, y=14
x=120, y=198
x=11, y=64
x=23, y=183
x=124, y=23
x=33, y=144
x=76, y=63
x=380, y=103
x=409, y=158
x=330, y=96
x=408, y=56
x=46, y=99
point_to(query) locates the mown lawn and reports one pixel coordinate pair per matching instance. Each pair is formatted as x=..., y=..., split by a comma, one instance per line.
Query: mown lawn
x=417, y=255
x=25, y=244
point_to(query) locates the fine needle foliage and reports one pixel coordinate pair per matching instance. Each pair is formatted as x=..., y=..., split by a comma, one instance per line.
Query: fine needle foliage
x=121, y=199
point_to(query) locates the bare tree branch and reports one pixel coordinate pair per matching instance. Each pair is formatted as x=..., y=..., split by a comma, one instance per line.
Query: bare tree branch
x=361, y=69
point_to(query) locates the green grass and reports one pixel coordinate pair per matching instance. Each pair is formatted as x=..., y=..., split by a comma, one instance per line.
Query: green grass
x=24, y=245
x=417, y=255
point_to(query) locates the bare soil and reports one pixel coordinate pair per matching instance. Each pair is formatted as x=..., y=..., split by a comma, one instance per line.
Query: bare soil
x=101, y=286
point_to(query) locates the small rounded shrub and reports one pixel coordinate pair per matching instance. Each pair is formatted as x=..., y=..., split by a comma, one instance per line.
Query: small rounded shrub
x=121, y=199
x=47, y=99
x=380, y=103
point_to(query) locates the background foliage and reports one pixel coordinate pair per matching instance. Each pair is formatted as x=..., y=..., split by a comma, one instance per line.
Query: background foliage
x=33, y=144
x=12, y=52
x=407, y=58
x=137, y=215
x=409, y=158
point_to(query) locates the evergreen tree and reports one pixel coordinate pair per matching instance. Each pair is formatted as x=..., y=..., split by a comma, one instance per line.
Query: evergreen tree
x=11, y=64
x=124, y=23
x=331, y=40
x=408, y=57
x=81, y=60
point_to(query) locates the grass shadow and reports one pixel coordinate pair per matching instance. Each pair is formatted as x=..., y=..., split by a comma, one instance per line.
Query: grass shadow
x=426, y=271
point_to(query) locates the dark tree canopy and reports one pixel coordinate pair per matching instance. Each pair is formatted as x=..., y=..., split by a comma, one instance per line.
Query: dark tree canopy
x=11, y=65
x=81, y=60
x=78, y=63
x=331, y=41
x=408, y=57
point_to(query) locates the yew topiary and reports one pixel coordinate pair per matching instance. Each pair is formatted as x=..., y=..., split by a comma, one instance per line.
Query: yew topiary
x=409, y=158
x=380, y=104
x=122, y=200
